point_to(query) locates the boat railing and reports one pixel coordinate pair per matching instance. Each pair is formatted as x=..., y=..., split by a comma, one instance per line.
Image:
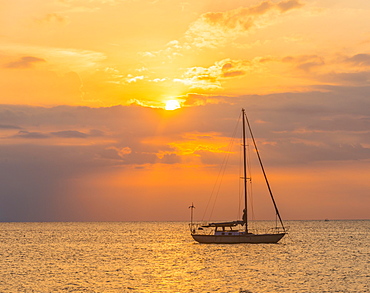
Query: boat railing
x=206, y=229
x=274, y=230
x=199, y=228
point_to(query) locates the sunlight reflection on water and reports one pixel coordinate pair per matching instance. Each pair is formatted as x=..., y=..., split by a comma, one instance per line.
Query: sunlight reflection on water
x=316, y=256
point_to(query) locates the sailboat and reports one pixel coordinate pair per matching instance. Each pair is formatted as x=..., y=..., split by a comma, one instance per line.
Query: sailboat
x=238, y=231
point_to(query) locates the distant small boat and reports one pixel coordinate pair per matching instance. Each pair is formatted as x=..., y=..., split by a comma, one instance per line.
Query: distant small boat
x=237, y=231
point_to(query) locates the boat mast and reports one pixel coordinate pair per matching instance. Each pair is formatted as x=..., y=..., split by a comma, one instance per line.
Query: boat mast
x=245, y=173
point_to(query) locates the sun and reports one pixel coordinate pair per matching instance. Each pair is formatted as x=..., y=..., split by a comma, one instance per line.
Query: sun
x=172, y=105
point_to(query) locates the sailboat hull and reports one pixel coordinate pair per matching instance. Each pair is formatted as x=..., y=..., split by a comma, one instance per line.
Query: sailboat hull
x=234, y=239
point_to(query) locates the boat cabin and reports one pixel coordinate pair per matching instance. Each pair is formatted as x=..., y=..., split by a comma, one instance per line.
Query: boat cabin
x=226, y=228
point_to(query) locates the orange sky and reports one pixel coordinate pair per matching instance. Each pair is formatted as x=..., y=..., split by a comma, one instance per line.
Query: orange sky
x=84, y=84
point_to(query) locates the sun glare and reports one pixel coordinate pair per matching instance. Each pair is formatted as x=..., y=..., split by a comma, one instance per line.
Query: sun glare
x=172, y=105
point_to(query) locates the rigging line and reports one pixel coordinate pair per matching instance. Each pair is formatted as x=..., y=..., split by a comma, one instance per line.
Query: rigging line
x=219, y=186
x=216, y=186
x=251, y=199
x=213, y=191
x=226, y=159
x=276, y=222
x=221, y=172
x=264, y=173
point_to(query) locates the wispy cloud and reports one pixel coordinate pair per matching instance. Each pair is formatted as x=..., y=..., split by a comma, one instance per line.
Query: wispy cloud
x=359, y=60
x=63, y=134
x=343, y=70
x=289, y=5
x=69, y=134
x=212, y=77
x=9, y=126
x=63, y=58
x=306, y=62
x=31, y=135
x=24, y=62
x=213, y=29
x=53, y=18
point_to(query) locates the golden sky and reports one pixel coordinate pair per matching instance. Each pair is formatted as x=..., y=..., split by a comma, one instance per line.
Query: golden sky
x=104, y=53
x=84, y=84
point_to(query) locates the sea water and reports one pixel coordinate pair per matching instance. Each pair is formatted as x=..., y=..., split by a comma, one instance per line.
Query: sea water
x=316, y=256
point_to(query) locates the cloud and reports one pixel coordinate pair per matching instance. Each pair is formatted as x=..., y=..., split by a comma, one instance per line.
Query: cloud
x=60, y=134
x=9, y=127
x=30, y=135
x=96, y=132
x=36, y=180
x=361, y=78
x=24, y=62
x=124, y=144
x=200, y=77
x=115, y=153
x=213, y=76
x=352, y=70
x=305, y=62
x=359, y=60
x=198, y=99
x=289, y=5
x=329, y=69
x=53, y=18
x=69, y=134
x=213, y=29
x=173, y=49
x=131, y=79
x=118, y=129
x=65, y=59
